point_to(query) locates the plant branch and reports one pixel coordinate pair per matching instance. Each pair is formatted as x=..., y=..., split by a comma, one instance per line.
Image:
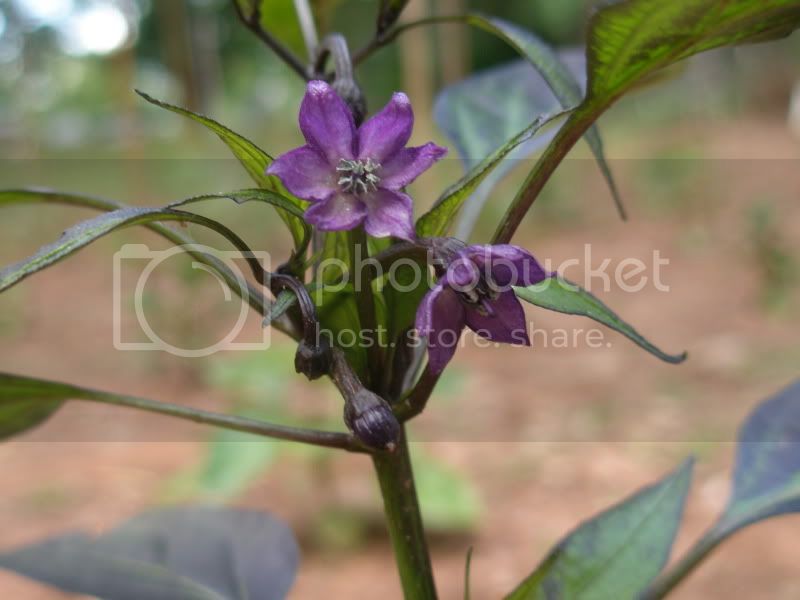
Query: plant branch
x=388, y=37
x=404, y=520
x=253, y=23
x=671, y=577
x=327, y=439
x=307, y=26
x=569, y=134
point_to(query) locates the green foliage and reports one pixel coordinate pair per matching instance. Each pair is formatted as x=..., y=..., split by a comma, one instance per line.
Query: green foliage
x=87, y=232
x=767, y=473
x=253, y=159
x=437, y=221
x=560, y=295
x=617, y=553
x=628, y=42
x=766, y=481
x=632, y=39
x=557, y=76
x=26, y=403
x=776, y=265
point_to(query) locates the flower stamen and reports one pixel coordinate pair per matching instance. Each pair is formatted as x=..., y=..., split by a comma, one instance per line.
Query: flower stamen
x=358, y=176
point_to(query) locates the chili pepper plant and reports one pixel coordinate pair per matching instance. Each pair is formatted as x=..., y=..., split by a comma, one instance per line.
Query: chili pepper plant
x=411, y=288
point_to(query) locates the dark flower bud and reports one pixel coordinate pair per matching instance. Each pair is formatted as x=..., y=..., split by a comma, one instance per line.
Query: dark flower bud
x=313, y=360
x=372, y=421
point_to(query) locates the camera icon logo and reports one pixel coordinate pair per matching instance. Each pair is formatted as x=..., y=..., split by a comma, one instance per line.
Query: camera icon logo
x=234, y=285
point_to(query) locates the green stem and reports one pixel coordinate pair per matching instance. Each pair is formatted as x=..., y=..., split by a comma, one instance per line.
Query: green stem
x=404, y=520
x=670, y=578
x=365, y=300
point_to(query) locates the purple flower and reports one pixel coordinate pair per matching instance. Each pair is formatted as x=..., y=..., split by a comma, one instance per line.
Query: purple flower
x=476, y=292
x=353, y=176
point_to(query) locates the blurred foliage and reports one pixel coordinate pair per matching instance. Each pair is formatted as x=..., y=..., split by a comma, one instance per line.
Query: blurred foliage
x=57, y=99
x=775, y=262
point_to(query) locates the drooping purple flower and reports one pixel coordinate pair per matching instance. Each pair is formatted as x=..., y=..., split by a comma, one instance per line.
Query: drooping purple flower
x=353, y=176
x=476, y=292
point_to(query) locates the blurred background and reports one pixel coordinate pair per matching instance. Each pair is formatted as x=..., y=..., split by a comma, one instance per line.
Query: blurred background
x=518, y=445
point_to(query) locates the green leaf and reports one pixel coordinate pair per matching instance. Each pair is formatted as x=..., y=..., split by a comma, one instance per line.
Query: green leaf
x=482, y=112
x=275, y=199
x=630, y=40
x=560, y=295
x=617, y=553
x=766, y=481
x=27, y=403
x=561, y=81
x=249, y=293
x=183, y=553
x=253, y=159
x=78, y=236
x=767, y=473
x=47, y=196
x=437, y=221
x=282, y=304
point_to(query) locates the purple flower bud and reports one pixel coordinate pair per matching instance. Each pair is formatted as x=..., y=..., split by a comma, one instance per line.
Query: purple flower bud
x=353, y=176
x=372, y=421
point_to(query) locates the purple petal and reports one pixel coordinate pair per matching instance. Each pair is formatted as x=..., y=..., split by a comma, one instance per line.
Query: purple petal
x=340, y=212
x=440, y=319
x=462, y=274
x=305, y=173
x=408, y=164
x=508, y=265
x=386, y=133
x=327, y=123
x=389, y=214
x=505, y=324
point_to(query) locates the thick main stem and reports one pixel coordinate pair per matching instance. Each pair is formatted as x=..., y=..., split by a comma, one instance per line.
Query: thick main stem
x=404, y=520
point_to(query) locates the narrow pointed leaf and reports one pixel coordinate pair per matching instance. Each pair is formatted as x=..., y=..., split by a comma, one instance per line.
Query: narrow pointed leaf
x=253, y=159
x=562, y=296
x=25, y=403
x=617, y=553
x=282, y=304
x=183, y=553
x=249, y=293
x=561, y=81
x=78, y=236
x=437, y=221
